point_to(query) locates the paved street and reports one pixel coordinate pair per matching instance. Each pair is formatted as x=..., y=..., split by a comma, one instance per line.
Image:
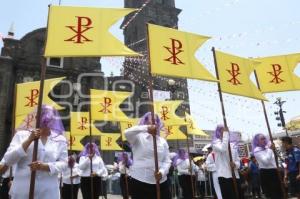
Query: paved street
x=108, y=196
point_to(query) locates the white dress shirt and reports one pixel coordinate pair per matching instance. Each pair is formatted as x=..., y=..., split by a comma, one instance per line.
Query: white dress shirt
x=265, y=158
x=66, y=175
x=183, y=167
x=220, y=147
x=201, y=173
x=54, y=153
x=143, y=167
x=123, y=169
x=210, y=162
x=97, y=166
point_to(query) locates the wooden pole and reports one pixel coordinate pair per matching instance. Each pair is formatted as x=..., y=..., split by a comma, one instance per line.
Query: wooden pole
x=190, y=161
x=191, y=168
x=225, y=124
x=38, y=115
x=91, y=159
x=271, y=139
x=153, y=120
x=126, y=179
x=38, y=118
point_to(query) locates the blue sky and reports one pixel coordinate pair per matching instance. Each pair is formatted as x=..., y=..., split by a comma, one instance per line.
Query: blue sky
x=248, y=28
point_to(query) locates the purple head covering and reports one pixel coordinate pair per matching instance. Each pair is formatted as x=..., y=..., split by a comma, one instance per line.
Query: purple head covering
x=90, y=148
x=234, y=137
x=50, y=118
x=147, y=119
x=123, y=157
x=181, y=154
x=71, y=161
x=255, y=142
x=218, y=132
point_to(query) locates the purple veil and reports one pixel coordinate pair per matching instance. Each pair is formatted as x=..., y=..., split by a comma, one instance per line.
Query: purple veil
x=124, y=157
x=90, y=148
x=146, y=119
x=255, y=142
x=181, y=154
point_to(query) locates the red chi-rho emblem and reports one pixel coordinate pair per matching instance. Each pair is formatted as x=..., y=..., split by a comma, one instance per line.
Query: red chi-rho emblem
x=276, y=73
x=174, y=50
x=169, y=131
x=72, y=140
x=30, y=118
x=83, y=123
x=164, y=113
x=108, y=141
x=106, y=105
x=32, y=98
x=234, y=73
x=83, y=25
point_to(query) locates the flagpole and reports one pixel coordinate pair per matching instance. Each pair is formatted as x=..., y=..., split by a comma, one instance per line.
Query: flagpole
x=225, y=125
x=71, y=174
x=271, y=139
x=126, y=180
x=190, y=161
x=91, y=159
x=153, y=119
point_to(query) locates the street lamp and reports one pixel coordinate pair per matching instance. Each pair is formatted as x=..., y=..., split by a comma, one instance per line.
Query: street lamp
x=279, y=114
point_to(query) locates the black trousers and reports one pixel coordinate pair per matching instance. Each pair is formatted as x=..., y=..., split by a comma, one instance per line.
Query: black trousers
x=227, y=188
x=67, y=191
x=271, y=183
x=141, y=190
x=186, y=186
x=98, y=187
x=4, y=188
x=123, y=186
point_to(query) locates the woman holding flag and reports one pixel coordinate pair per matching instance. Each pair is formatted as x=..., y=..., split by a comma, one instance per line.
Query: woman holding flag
x=142, y=172
x=267, y=166
x=90, y=159
x=223, y=164
x=52, y=157
x=71, y=179
x=124, y=164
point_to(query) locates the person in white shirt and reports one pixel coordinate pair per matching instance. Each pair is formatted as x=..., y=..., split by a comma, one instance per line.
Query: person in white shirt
x=124, y=164
x=142, y=171
x=184, y=173
x=223, y=165
x=90, y=159
x=52, y=157
x=70, y=182
x=264, y=155
x=201, y=183
x=211, y=167
x=5, y=180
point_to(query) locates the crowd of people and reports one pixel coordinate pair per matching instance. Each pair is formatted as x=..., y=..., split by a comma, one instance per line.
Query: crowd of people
x=220, y=173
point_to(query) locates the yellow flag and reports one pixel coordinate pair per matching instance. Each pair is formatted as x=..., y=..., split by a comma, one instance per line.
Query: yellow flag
x=128, y=124
x=25, y=122
x=166, y=112
x=84, y=32
x=234, y=75
x=172, y=53
x=105, y=105
x=192, y=127
x=276, y=74
x=108, y=141
x=27, y=96
x=172, y=133
x=74, y=140
x=80, y=123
